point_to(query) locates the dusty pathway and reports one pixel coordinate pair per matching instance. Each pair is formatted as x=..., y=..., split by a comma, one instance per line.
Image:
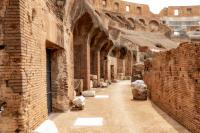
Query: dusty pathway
x=118, y=114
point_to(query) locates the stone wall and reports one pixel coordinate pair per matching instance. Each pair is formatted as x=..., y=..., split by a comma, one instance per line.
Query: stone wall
x=27, y=29
x=183, y=11
x=10, y=67
x=174, y=83
x=42, y=29
x=120, y=6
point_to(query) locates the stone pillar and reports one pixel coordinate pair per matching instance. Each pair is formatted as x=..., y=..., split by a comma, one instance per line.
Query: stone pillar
x=97, y=65
x=128, y=64
x=86, y=67
x=107, y=70
x=120, y=66
x=138, y=55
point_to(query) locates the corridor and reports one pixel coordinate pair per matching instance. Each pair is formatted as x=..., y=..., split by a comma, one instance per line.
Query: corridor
x=114, y=111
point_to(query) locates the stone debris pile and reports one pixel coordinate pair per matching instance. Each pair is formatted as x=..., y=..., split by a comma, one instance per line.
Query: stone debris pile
x=79, y=102
x=139, y=90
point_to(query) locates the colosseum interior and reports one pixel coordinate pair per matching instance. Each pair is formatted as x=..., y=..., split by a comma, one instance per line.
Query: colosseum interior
x=54, y=53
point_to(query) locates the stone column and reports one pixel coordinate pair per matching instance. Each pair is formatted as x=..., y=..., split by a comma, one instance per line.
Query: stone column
x=138, y=55
x=97, y=65
x=86, y=67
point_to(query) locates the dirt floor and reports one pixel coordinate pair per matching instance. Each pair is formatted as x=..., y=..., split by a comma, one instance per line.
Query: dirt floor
x=114, y=111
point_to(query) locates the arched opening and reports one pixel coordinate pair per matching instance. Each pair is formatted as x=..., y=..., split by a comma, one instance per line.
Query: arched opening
x=124, y=21
x=153, y=25
x=97, y=39
x=122, y=52
x=107, y=14
x=142, y=21
x=104, y=3
x=121, y=19
x=81, y=50
x=104, y=61
x=131, y=20
x=127, y=8
x=116, y=6
x=139, y=10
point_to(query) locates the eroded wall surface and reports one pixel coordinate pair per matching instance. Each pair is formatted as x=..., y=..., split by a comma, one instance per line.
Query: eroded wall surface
x=10, y=67
x=181, y=11
x=127, y=8
x=173, y=78
x=27, y=29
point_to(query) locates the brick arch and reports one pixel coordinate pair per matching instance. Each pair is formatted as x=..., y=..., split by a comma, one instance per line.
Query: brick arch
x=123, y=52
x=105, y=50
x=142, y=21
x=132, y=21
x=97, y=40
x=81, y=49
x=107, y=14
x=116, y=6
x=124, y=21
x=154, y=25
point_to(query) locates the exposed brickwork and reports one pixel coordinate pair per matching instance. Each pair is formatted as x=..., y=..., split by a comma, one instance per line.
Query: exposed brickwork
x=173, y=81
x=183, y=11
x=10, y=67
x=134, y=8
x=42, y=29
x=29, y=27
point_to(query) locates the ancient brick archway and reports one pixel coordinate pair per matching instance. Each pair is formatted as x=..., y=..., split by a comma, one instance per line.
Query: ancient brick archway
x=104, y=60
x=153, y=25
x=97, y=39
x=81, y=49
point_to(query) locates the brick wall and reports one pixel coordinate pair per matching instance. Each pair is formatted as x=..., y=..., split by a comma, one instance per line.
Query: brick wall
x=174, y=84
x=41, y=29
x=10, y=67
x=27, y=29
x=184, y=11
x=133, y=7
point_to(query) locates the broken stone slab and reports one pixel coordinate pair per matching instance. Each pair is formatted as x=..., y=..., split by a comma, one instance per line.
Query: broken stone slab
x=103, y=84
x=88, y=93
x=139, y=90
x=137, y=83
x=79, y=102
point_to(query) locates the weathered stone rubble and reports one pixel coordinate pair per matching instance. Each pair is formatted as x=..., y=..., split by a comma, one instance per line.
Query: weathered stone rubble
x=139, y=90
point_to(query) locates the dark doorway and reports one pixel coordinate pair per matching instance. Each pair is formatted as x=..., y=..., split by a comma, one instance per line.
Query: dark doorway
x=112, y=72
x=49, y=84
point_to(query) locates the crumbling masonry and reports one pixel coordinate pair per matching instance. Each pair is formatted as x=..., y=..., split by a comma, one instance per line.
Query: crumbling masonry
x=46, y=45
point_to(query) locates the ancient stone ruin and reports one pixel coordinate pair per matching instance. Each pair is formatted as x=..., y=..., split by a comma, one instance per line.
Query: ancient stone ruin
x=53, y=50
